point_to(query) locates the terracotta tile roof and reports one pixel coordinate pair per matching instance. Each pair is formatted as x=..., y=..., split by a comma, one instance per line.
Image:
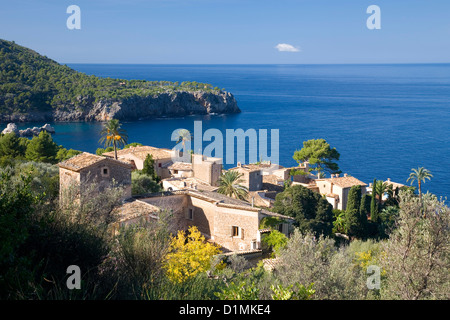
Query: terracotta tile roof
x=181, y=166
x=241, y=253
x=255, y=167
x=345, y=182
x=141, y=152
x=134, y=209
x=394, y=184
x=85, y=159
x=274, y=214
x=273, y=179
x=190, y=183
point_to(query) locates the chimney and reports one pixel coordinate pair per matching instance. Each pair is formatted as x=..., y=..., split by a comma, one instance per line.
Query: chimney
x=389, y=179
x=332, y=176
x=337, y=175
x=239, y=164
x=345, y=175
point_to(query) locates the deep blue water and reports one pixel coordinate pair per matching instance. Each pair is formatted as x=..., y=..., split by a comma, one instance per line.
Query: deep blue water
x=383, y=119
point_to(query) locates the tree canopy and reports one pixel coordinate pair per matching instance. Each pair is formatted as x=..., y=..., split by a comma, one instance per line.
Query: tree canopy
x=320, y=155
x=311, y=211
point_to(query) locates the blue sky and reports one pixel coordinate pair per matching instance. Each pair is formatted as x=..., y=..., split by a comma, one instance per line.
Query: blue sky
x=231, y=31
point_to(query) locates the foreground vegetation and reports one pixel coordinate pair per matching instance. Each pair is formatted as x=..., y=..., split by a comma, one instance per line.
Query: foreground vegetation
x=405, y=237
x=41, y=238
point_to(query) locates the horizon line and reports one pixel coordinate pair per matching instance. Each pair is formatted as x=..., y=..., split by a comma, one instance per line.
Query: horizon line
x=257, y=64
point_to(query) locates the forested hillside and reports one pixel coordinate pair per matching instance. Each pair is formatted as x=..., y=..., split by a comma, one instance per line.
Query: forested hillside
x=30, y=82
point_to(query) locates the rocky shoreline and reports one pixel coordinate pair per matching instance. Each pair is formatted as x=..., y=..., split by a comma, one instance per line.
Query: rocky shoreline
x=28, y=132
x=135, y=108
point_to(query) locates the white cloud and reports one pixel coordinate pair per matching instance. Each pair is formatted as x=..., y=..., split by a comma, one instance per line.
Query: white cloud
x=287, y=47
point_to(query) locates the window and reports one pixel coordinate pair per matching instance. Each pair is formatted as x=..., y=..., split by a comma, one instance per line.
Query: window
x=280, y=227
x=235, y=232
x=190, y=214
x=175, y=171
x=159, y=165
x=105, y=171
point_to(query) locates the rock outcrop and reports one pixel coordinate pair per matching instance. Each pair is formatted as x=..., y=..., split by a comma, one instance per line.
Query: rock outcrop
x=28, y=132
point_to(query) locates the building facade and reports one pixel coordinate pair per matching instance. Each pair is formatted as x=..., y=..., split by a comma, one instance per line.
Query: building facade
x=78, y=174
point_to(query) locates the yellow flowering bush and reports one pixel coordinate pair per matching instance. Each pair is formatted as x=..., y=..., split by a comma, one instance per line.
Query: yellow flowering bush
x=189, y=255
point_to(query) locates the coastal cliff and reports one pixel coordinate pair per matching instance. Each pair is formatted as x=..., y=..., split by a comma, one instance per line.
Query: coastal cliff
x=36, y=88
x=174, y=104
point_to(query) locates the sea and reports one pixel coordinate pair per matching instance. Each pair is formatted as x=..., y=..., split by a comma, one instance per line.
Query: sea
x=384, y=119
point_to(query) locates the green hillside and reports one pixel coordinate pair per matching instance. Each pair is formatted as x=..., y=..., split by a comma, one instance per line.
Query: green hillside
x=30, y=82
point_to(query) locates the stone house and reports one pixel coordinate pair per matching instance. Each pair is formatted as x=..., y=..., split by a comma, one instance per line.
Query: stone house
x=81, y=171
x=207, y=169
x=180, y=169
x=336, y=189
x=252, y=176
x=231, y=223
x=137, y=156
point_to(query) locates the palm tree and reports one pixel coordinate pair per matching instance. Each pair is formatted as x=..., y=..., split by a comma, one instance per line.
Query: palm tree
x=419, y=175
x=113, y=135
x=183, y=136
x=229, y=185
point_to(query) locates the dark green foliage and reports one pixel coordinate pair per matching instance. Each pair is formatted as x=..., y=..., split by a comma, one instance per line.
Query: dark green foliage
x=16, y=207
x=354, y=198
x=270, y=222
x=64, y=154
x=320, y=155
x=354, y=225
x=42, y=148
x=31, y=82
x=311, y=211
x=12, y=146
x=101, y=151
x=149, y=168
x=44, y=178
x=373, y=204
x=143, y=184
x=387, y=221
x=275, y=240
x=365, y=204
x=133, y=144
x=355, y=221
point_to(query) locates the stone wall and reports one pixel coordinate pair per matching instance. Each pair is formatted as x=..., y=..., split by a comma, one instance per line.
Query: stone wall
x=105, y=173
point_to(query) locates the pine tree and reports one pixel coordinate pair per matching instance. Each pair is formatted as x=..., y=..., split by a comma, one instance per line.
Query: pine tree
x=42, y=148
x=11, y=146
